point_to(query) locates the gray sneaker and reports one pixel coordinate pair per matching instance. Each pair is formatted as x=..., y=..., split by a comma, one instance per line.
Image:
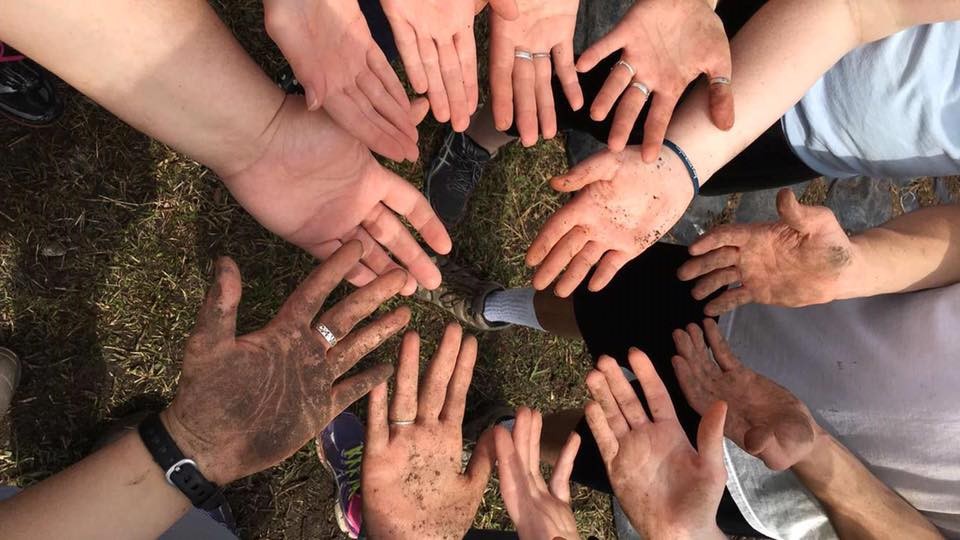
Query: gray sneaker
x=9, y=377
x=462, y=295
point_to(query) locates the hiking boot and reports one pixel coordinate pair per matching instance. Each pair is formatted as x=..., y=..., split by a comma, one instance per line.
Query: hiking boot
x=454, y=174
x=340, y=449
x=462, y=295
x=9, y=378
x=26, y=94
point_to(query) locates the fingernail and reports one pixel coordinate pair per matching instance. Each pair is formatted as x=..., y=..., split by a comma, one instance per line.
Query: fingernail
x=312, y=102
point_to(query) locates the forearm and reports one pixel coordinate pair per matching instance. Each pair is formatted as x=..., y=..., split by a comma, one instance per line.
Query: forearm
x=170, y=69
x=913, y=252
x=118, y=492
x=857, y=503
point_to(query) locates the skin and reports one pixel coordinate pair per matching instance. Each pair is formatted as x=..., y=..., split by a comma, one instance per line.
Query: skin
x=771, y=260
x=666, y=488
x=342, y=69
x=539, y=511
x=413, y=483
x=669, y=43
x=522, y=88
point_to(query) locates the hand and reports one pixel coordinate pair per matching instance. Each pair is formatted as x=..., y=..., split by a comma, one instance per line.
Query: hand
x=318, y=187
x=246, y=403
x=412, y=480
x=537, y=511
x=341, y=68
x=523, y=87
x=666, y=488
x=798, y=261
x=669, y=43
x=436, y=43
x=764, y=418
x=623, y=207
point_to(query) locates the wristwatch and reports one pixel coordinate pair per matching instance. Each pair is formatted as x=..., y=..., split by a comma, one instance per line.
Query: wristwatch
x=181, y=472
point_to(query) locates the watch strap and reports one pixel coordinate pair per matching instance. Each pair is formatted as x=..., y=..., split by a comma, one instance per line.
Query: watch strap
x=180, y=471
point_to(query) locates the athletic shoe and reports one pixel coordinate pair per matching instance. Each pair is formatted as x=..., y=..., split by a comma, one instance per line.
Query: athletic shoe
x=462, y=295
x=26, y=94
x=454, y=174
x=340, y=448
x=9, y=377
x=484, y=418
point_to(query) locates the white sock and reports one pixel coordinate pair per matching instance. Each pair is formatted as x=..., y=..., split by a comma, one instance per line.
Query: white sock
x=514, y=306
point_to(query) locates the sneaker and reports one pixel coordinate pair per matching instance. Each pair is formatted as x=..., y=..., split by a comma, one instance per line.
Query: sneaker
x=453, y=176
x=484, y=418
x=340, y=448
x=9, y=377
x=462, y=295
x=26, y=94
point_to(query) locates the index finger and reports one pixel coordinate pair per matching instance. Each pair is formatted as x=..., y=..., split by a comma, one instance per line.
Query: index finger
x=304, y=303
x=723, y=235
x=555, y=228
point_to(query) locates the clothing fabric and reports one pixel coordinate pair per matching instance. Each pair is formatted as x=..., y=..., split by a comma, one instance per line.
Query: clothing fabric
x=889, y=109
x=514, y=306
x=880, y=374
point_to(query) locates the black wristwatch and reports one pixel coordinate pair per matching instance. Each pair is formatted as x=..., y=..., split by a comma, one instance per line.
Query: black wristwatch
x=181, y=472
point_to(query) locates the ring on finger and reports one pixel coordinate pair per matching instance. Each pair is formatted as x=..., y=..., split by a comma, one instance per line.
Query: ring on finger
x=402, y=422
x=541, y=55
x=624, y=63
x=720, y=80
x=642, y=88
x=523, y=55
x=325, y=333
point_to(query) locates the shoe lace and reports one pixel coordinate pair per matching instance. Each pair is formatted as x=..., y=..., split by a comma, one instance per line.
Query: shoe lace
x=468, y=169
x=352, y=458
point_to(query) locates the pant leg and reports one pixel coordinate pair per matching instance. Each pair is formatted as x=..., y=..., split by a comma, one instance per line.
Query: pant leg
x=380, y=28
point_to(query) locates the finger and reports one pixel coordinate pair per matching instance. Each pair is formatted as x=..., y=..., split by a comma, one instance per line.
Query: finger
x=357, y=276
x=658, y=399
x=525, y=100
x=696, y=337
x=406, y=40
x=374, y=257
x=721, y=94
x=513, y=477
x=360, y=343
x=601, y=393
x=378, y=433
x=626, y=116
x=710, y=436
x=618, y=81
x=724, y=235
x=456, y=399
x=790, y=210
x=623, y=393
x=361, y=303
x=365, y=124
x=719, y=258
x=435, y=89
x=602, y=433
x=567, y=75
x=560, y=479
x=433, y=391
x=543, y=87
x=684, y=345
x=522, y=423
x=466, y=46
x=603, y=48
x=715, y=280
x=217, y=319
x=599, y=167
x=728, y=301
x=304, y=303
x=578, y=269
x=349, y=390
x=380, y=66
x=708, y=368
x=506, y=9
x=536, y=429
x=360, y=275
x=409, y=202
x=403, y=408
x=655, y=128
x=562, y=253
x=555, y=228
x=453, y=81
x=481, y=463
x=689, y=383
x=721, y=349
x=501, y=81
x=607, y=269
x=384, y=226
x=391, y=112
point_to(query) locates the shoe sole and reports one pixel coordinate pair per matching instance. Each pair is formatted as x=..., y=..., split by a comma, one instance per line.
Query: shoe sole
x=337, y=509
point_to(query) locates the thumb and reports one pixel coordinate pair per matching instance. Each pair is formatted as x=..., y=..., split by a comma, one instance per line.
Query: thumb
x=217, y=319
x=598, y=167
x=791, y=211
x=710, y=435
x=482, y=461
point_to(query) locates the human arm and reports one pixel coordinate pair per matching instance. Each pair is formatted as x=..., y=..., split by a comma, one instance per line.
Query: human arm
x=769, y=422
x=221, y=416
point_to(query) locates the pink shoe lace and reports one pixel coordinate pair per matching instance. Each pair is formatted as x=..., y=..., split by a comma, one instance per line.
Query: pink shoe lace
x=9, y=58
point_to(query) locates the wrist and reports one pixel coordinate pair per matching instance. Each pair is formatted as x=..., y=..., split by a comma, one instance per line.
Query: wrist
x=854, y=278
x=196, y=447
x=685, y=531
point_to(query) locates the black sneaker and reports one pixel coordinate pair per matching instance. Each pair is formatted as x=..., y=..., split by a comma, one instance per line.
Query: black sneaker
x=462, y=295
x=454, y=173
x=26, y=94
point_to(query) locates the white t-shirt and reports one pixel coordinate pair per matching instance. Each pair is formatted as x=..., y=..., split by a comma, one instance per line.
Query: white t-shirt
x=883, y=375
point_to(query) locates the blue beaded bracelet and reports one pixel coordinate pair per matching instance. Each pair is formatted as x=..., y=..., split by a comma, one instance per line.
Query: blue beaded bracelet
x=686, y=163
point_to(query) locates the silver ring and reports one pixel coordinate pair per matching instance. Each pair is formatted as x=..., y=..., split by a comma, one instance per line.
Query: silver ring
x=325, y=333
x=541, y=55
x=633, y=72
x=402, y=422
x=720, y=80
x=641, y=87
x=525, y=55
